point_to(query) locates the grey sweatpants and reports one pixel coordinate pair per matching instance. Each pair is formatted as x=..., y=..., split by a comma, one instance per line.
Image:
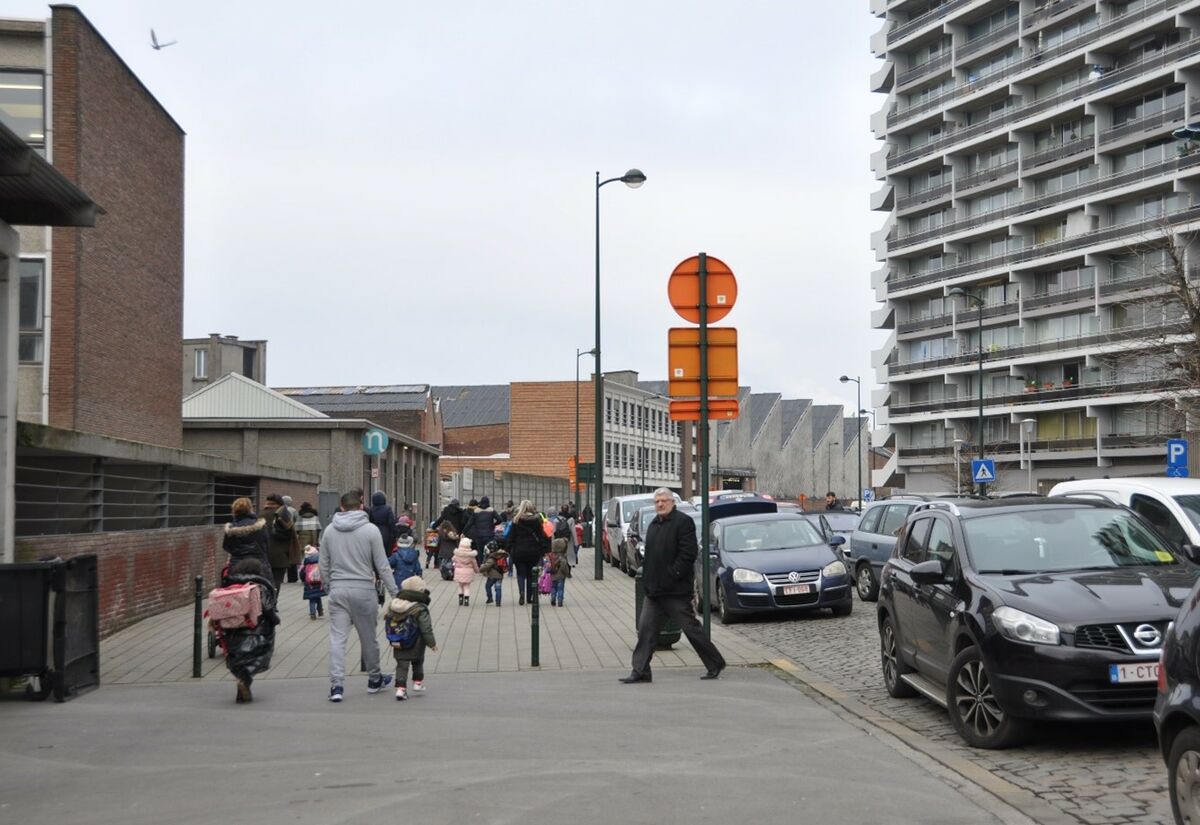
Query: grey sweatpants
x=358, y=607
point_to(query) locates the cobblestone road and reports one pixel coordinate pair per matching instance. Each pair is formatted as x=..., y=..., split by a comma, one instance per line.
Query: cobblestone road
x=1099, y=774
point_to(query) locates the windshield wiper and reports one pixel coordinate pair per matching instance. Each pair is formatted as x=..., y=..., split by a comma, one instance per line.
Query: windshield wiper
x=1008, y=572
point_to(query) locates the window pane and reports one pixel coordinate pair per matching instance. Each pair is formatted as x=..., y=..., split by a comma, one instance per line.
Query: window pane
x=31, y=295
x=21, y=105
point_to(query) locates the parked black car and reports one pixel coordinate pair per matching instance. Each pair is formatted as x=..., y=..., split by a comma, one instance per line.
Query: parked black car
x=1015, y=610
x=1177, y=711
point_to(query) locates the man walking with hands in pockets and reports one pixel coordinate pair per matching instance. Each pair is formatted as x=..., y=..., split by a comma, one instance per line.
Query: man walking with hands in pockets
x=671, y=551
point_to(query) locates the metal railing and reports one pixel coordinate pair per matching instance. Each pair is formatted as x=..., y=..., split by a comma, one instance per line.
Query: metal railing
x=967, y=316
x=1066, y=150
x=985, y=176
x=1059, y=445
x=926, y=196
x=991, y=38
x=1052, y=10
x=1156, y=121
x=928, y=67
x=906, y=28
x=1165, y=383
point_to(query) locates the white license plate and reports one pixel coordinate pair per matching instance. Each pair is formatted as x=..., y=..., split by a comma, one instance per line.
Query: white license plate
x=1121, y=674
x=796, y=589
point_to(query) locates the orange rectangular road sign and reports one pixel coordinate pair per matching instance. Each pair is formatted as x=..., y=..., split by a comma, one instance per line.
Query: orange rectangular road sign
x=723, y=409
x=683, y=362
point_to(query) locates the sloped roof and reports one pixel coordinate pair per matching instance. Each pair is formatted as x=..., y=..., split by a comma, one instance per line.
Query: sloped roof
x=823, y=416
x=234, y=396
x=474, y=405
x=761, y=405
x=389, y=397
x=792, y=412
x=849, y=432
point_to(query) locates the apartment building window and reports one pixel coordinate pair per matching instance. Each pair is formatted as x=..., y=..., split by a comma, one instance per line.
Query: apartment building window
x=924, y=181
x=930, y=220
x=994, y=338
x=1152, y=419
x=919, y=57
x=929, y=92
x=200, y=373
x=1062, y=181
x=993, y=64
x=1134, y=265
x=988, y=248
x=22, y=105
x=924, y=137
x=995, y=429
x=1062, y=83
x=1148, y=104
x=1147, y=208
x=1060, y=134
x=1065, y=327
x=608, y=452
x=608, y=411
x=990, y=158
x=624, y=413
x=31, y=311
x=988, y=112
x=1064, y=280
x=992, y=202
x=932, y=348
x=1072, y=30
x=931, y=434
x=1151, y=154
x=1050, y=231
x=984, y=27
x=1145, y=314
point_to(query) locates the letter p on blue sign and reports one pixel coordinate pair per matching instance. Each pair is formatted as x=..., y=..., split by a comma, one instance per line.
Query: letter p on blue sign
x=1177, y=458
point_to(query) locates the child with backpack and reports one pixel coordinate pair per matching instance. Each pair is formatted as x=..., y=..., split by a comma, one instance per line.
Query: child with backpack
x=466, y=565
x=409, y=630
x=406, y=561
x=494, y=567
x=559, y=569
x=314, y=588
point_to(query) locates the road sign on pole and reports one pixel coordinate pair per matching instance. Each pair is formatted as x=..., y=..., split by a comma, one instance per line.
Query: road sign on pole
x=1177, y=458
x=983, y=470
x=868, y=494
x=586, y=472
x=683, y=362
x=688, y=282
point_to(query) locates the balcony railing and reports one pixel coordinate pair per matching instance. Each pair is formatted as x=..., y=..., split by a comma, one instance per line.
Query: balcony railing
x=985, y=176
x=926, y=196
x=927, y=68
x=977, y=45
x=1080, y=241
x=1065, y=296
x=1165, y=58
x=1156, y=121
x=964, y=317
x=1060, y=392
x=1050, y=11
x=1057, y=445
x=921, y=21
x=1067, y=150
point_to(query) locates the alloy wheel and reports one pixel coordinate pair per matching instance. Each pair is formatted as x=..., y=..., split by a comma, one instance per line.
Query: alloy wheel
x=887, y=644
x=864, y=583
x=1187, y=787
x=974, y=701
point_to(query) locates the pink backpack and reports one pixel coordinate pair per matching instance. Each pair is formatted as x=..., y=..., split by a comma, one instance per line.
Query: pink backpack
x=312, y=575
x=234, y=607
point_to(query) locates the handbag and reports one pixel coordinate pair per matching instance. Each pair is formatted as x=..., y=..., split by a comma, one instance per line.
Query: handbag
x=544, y=582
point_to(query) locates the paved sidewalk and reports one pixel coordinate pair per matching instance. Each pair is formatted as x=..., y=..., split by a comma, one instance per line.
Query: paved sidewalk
x=594, y=631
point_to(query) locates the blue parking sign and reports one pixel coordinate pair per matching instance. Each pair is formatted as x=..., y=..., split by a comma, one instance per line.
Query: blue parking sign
x=983, y=470
x=1177, y=458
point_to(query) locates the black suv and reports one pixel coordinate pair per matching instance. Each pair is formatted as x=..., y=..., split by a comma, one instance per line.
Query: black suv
x=1177, y=711
x=1012, y=610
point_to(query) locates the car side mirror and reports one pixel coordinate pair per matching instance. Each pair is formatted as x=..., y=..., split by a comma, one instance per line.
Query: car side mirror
x=837, y=541
x=1191, y=552
x=928, y=572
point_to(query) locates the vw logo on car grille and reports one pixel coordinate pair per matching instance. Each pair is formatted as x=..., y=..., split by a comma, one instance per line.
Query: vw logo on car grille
x=1147, y=635
x=795, y=577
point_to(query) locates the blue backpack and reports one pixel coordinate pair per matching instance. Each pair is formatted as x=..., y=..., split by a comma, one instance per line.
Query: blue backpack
x=403, y=632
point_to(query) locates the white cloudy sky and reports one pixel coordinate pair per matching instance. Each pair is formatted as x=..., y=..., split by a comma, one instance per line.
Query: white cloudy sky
x=402, y=192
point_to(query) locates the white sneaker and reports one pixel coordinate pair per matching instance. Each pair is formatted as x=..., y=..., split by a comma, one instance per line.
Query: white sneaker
x=401, y=694
x=418, y=687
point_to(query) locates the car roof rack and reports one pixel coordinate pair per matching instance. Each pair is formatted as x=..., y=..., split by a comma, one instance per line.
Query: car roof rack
x=938, y=504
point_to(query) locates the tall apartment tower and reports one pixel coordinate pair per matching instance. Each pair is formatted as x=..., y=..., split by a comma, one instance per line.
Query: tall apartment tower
x=1028, y=161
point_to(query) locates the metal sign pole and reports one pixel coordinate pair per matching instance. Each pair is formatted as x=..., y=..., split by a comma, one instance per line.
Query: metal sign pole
x=705, y=562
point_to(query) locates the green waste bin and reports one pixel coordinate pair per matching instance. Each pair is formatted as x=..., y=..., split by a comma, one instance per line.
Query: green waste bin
x=670, y=632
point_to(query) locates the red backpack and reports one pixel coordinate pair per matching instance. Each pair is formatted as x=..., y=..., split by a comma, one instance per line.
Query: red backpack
x=234, y=607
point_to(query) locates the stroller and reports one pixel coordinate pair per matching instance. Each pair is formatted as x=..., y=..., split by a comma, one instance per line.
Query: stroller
x=446, y=568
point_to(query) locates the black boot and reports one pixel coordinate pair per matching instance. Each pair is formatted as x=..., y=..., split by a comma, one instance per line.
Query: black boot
x=460, y=599
x=466, y=601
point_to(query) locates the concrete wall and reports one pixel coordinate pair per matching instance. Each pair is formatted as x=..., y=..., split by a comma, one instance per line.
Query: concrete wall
x=225, y=355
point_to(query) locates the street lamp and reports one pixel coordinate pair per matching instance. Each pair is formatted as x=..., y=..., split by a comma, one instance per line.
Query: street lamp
x=1027, y=425
x=958, y=442
x=857, y=420
x=578, y=354
x=633, y=179
x=959, y=292
x=829, y=464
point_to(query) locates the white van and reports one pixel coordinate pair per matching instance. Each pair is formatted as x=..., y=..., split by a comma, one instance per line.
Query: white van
x=1171, y=504
x=616, y=524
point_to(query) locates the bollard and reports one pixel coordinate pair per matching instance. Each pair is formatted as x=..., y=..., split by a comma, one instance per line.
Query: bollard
x=535, y=658
x=196, y=631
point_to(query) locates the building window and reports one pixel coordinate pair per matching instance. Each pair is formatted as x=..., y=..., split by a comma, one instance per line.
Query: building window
x=22, y=105
x=608, y=411
x=201, y=371
x=607, y=453
x=248, y=360
x=31, y=311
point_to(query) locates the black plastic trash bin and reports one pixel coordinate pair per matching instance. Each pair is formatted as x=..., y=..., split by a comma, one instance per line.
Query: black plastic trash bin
x=50, y=614
x=670, y=632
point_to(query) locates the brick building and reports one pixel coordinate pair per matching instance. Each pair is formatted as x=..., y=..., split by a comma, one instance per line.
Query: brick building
x=475, y=419
x=410, y=409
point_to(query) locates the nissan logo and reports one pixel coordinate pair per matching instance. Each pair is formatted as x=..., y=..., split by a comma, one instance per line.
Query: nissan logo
x=795, y=577
x=1147, y=635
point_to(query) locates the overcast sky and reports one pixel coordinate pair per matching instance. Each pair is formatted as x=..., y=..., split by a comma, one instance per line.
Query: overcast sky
x=402, y=192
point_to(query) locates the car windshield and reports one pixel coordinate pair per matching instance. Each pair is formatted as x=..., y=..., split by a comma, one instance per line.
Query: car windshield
x=1191, y=506
x=1046, y=540
x=628, y=508
x=769, y=535
x=842, y=522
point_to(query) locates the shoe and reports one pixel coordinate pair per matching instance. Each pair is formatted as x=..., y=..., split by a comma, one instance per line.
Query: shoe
x=243, y=693
x=401, y=694
x=466, y=601
x=489, y=601
x=320, y=613
x=378, y=683
x=335, y=693
x=497, y=602
x=713, y=674
x=522, y=600
x=634, y=678
x=460, y=600
x=312, y=617
x=418, y=687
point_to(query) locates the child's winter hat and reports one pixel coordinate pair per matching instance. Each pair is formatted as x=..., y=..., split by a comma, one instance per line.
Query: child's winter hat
x=310, y=550
x=414, y=583
x=405, y=540
x=465, y=544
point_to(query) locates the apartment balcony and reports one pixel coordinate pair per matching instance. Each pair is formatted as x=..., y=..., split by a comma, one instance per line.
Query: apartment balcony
x=879, y=161
x=1029, y=253
x=1110, y=445
x=965, y=317
x=1072, y=149
x=916, y=24
x=1052, y=12
x=884, y=317
x=926, y=69
x=1164, y=59
x=1040, y=395
x=994, y=174
x=926, y=196
x=971, y=48
x=1163, y=121
x=1039, y=348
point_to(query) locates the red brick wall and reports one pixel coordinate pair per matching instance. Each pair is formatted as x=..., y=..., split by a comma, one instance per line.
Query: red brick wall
x=141, y=572
x=542, y=426
x=117, y=288
x=486, y=440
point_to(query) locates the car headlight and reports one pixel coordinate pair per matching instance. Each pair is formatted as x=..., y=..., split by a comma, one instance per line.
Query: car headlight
x=743, y=576
x=834, y=568
x=1022, y=627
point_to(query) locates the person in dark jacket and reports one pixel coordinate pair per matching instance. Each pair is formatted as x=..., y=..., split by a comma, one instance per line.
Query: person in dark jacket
x=526, y=543
x=454, y=514
x=248, y=650
x=482, y=527
x=831, y=501
x=281, y=533
x=406, y=561
x=246, y=535
x=381, y=516
x=667, y=577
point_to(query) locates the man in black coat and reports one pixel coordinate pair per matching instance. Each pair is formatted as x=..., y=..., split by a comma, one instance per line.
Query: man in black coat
x=671, y=550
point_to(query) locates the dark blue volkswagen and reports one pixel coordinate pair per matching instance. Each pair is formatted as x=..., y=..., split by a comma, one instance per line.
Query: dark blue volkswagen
x=774, y=561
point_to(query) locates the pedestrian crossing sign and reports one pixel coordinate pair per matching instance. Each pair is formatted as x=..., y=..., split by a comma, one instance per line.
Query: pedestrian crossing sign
x=983, y=470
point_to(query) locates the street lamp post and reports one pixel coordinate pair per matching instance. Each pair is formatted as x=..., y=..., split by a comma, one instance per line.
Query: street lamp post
x=858, y=436
x=633, y=179
x=959, y=292
x=1027, y=425
x=829, y=464
x=578, y=354
x=958, y=442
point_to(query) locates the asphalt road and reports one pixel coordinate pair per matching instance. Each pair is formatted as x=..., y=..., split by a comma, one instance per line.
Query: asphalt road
x=1098, y=774
x=526, y=747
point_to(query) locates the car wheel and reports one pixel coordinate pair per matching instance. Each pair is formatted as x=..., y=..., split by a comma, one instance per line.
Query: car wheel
x=893, y=665
x=1183, y=775
x=724, y=613
x=865, y=584
x=974, y=709
x=844, y=609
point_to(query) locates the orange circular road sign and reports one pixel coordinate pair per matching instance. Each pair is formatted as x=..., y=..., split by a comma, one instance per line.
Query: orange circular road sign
x=683, y=288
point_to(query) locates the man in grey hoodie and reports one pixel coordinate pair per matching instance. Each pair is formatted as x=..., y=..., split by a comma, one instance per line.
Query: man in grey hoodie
x=352, y=558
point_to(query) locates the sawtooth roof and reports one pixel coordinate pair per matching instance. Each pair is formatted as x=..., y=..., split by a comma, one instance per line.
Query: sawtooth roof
x=792, y=411
x=474, y=405
x=761, y=405
x=823, y=417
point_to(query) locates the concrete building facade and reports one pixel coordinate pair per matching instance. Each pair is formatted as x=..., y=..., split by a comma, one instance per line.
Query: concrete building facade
x=206, y=360
x=1028, y=161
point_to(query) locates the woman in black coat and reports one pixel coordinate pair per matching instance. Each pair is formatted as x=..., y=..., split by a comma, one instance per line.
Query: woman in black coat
x=246, y=535
x=526, y=543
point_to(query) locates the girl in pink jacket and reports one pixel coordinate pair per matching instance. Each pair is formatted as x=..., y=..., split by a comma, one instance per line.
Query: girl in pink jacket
x=466, y=565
